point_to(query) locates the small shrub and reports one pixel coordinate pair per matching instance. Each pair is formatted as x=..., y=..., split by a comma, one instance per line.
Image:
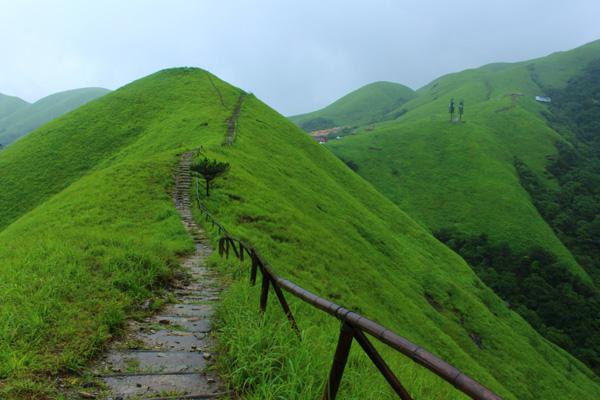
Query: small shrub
x=209, y=170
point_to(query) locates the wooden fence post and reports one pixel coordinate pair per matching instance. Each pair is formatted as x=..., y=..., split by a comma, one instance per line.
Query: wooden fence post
x=264, y=291
x=254, y=268
x=381, y=365
x=286, y=307
x=339, y=362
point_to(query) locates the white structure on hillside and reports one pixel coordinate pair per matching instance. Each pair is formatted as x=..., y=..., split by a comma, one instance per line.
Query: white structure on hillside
x=543, y=99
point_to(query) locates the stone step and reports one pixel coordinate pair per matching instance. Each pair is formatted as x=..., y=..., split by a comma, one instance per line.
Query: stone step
x=189, y=310
x=188, y=292
x=195, y=286
x=206, y=273
x=140, y=361
x=206, y=297
x=196, y=300
x=153, y=385
x=199, y=286
x=169, y=340
x=196, y=324
x=208, y=279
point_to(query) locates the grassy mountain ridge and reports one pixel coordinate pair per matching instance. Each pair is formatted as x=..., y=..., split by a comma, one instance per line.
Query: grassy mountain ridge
x=379, y=215
x=444, y=174
x=10, y=104
x=99, y=234
x=467, y=177
x=31, y=116
x=500, y=128
x=367, y=104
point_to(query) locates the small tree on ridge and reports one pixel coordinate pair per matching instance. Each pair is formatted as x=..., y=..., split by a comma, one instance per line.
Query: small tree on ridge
x=209, y=170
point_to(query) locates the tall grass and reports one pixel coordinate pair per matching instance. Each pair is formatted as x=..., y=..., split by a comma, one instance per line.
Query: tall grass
x=89, y=231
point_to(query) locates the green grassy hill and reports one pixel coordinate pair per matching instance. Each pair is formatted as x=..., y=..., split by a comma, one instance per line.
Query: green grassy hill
x=10, y=104
x=28, y=117
x=463, y=177
x=370, y=103
x=89, y=231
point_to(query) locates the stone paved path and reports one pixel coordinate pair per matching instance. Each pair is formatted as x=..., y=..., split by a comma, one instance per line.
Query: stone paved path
x=172, y=350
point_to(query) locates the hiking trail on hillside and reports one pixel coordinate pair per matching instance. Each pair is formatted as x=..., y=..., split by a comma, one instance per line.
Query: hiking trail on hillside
x=232, y=121
x=167, y=355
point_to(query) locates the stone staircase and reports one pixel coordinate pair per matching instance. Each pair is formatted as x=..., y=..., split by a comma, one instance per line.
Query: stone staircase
x=167, y=356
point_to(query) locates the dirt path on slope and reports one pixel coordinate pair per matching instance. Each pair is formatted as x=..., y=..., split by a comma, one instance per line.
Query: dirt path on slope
x=167, y=355
x=233, y=120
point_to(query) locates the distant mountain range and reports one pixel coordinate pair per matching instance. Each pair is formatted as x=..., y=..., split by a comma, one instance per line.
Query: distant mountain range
x=18, y=117
x=514, y=186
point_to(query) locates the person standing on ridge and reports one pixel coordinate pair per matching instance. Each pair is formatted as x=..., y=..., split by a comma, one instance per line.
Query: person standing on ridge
x=451, y=109
x=461, y=109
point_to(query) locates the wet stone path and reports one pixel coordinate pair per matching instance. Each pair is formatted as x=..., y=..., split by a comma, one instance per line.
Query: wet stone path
x=167, y=355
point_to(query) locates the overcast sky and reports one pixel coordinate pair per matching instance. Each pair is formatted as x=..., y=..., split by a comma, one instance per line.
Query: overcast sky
x=296, y=56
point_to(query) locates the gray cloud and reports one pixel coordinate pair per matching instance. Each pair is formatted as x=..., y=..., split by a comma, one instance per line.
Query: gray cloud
x=296, y=56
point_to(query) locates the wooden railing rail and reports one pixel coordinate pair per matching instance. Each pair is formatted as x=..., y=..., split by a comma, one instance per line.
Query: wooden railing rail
x=353, y=325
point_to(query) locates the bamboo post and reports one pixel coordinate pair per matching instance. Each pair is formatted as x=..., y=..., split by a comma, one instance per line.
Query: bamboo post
x=339, y=362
